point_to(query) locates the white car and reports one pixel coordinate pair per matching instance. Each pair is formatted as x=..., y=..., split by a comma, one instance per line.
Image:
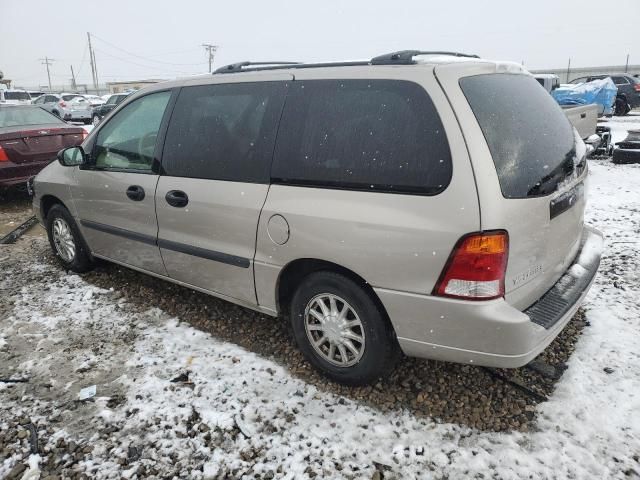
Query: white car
x=15, y=97
x=94, y=100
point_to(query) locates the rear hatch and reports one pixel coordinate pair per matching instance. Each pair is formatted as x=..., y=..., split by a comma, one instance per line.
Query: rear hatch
x=38, y=143
x=530, y=169
x=79, y=104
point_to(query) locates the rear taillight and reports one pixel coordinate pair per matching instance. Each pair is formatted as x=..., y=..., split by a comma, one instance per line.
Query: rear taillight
x=476, y=268
x=85, y=134
x=636, y=87
x=3, y=155
x=62, y=103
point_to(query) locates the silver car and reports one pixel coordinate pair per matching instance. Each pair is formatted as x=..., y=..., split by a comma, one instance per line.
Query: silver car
x=68, y=106
x=417, y=203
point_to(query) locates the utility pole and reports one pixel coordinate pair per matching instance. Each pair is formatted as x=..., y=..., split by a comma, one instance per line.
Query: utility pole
x=48, y=61
x=211, y=49
x=95, y=66
x=626, y=65
x=73, y=79
x=92, y=60
x=568, y=69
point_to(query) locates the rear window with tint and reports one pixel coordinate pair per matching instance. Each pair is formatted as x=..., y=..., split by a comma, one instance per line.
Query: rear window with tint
x=66, y=98
x=530, y=138
x=16, y=96
x=376, y=135
x=16, y=116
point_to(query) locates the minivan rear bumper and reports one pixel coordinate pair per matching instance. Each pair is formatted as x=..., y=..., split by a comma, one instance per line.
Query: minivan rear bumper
x=491, y=333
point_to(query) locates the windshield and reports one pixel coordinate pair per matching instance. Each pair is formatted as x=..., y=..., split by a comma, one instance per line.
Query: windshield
x=16, y=116
x=531, y=140
x=16, y=96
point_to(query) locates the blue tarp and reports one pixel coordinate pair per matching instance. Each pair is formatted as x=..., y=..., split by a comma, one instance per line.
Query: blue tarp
x=603, y=92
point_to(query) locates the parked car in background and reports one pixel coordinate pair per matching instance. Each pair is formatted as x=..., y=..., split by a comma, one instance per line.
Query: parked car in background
x=15, y=97
x=94, y=100
x=30, y=137
x=35, y=94
x=68, y=106
x=377, y=205
x=101, y=111
x=548, y=80
x=628, y=96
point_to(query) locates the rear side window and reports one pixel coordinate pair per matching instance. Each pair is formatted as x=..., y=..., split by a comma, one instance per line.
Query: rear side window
x=620, y=80
x=531, y=140
x=16, y=96
x=224, y=131
x=379, y=135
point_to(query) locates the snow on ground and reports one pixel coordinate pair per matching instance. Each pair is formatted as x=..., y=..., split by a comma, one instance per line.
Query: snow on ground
x=621, y=125
x=235, y=412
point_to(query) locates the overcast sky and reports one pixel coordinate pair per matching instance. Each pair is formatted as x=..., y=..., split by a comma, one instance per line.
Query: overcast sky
x=157, y=39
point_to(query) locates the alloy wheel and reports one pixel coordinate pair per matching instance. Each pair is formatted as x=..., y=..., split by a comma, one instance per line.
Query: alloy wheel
x=63, y=240
x=334, y=330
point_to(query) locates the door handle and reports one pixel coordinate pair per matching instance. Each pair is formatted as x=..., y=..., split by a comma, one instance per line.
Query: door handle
x=177, y=198
x=135, y=193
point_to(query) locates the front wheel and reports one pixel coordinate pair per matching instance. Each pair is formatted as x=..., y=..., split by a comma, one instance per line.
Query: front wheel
x=95, y=120
x=341, y=331
x=66, y=240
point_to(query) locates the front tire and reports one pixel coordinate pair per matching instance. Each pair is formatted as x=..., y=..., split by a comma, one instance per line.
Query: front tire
x=95, y=120
x=341, y=331
x=66, y=240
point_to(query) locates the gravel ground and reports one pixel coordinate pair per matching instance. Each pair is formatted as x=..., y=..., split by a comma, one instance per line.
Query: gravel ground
x=61, y=332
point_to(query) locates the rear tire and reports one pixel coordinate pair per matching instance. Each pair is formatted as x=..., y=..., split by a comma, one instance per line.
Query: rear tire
x=95, y=120
x=621, y=107
x=56, y=113
x=66, y=241
x=359, y=346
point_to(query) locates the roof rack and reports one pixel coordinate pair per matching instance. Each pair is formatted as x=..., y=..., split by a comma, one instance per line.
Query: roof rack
x=402, y=57
x=405, y=57
x=241, y=66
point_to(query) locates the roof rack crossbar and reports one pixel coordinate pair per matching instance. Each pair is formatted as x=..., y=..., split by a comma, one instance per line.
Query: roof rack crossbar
x=240, y=66
x=405, y=57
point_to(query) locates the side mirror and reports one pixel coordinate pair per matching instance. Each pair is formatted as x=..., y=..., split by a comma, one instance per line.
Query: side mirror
x=71, y=156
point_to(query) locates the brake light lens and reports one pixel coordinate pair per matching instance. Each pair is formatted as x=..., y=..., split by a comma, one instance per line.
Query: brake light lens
x=62, y=103
x=3, y=155
x=636, y=87
x=476, y=267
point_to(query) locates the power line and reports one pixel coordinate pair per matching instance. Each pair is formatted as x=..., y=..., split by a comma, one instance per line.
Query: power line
x=152, y=67
x=211, y=49
x=145, y=58
x=48, y=61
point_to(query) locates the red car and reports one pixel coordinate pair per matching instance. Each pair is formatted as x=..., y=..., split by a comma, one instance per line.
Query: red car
x=30, y=138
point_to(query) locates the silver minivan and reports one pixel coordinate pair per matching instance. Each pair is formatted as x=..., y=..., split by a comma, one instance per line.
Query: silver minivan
x=423, y=203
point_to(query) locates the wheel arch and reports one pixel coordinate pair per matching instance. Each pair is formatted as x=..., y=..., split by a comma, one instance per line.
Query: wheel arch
x=295, y=271
x=48, y=201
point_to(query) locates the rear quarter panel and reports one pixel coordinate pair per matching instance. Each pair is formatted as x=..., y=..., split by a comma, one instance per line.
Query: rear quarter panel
x=393, y=241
